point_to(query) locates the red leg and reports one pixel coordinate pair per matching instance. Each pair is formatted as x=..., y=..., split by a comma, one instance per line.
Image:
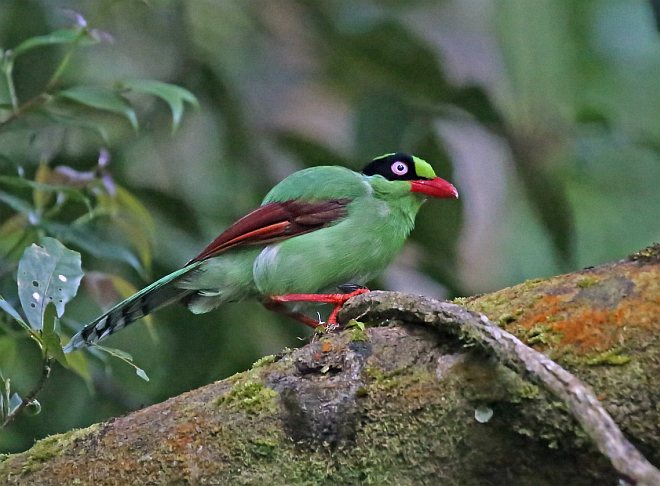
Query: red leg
x=337, y=299
x=280, y=308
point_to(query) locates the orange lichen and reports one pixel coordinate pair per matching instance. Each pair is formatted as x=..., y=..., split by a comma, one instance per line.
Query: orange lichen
x=583, y=313
x=326, y=346
x=588, y=330
x=544, y=308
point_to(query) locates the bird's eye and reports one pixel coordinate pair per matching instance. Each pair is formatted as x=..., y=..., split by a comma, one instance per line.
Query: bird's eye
x=399, y=168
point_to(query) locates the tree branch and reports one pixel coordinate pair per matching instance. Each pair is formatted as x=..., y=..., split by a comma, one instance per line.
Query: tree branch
x=471, y=327
x=402, y=404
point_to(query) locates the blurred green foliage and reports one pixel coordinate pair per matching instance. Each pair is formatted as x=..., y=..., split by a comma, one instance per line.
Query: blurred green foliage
x=543, y=113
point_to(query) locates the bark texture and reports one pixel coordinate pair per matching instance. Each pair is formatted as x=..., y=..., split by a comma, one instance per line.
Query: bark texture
x=396, y=404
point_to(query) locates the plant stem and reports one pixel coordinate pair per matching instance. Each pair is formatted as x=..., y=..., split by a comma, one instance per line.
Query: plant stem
x=40, y=99
x=8, y=68
x=29, y=105
x=29, y=398
x=60, y=69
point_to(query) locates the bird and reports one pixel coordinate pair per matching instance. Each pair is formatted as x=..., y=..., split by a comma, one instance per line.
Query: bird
x=319, y=236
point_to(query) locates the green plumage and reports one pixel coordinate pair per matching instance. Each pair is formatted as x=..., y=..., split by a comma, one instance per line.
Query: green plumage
x=355, y=248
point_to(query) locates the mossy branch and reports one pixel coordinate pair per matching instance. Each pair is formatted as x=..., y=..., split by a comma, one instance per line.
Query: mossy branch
x=474, y=328
x=404, y=404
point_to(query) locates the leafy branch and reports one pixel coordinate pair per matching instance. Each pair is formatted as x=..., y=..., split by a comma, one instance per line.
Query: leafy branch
x=67, y=206
x=99, y=98
x=48, y=278
x=73, y=37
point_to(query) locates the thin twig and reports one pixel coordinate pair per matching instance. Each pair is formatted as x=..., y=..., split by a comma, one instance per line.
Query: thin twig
x=26, y=107
x=29, y=398
x=513, y=353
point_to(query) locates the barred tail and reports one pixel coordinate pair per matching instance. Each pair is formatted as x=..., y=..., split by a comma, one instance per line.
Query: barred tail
x=159, y=294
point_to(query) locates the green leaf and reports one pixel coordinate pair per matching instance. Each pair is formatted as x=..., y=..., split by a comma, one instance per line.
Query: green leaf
x=5, y=395
x=76, y=122
x=16, y=203
x=356, y=324
x=126, y=358
x=173, y=95
x=62, y=36
x=72, y=193
x=141, y=373
x=14, y=402
x=50, y=273
x=49, y=338
x=7, y=307
x=101, y=99
x=117, y=353
x=86, y=239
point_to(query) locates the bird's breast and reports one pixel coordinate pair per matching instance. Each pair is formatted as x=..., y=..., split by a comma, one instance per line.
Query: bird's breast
x=353, y=250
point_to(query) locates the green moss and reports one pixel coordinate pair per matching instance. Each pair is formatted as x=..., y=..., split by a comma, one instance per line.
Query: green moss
x=611, y=358
x=542, y=334
x=389, y=381
x=461, y=300
x=52, y=446
x=649, y=254
x=506, y=319
x=263, y=361
x=264, y=447
x=359, y=335
x=528, y=391
x=250, y=396
x=587, y=282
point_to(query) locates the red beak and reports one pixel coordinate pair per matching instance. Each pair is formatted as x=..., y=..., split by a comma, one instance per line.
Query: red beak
x=435, y=188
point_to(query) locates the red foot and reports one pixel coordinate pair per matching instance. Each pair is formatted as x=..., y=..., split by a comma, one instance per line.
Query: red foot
x=280, y=308
x=337, y=299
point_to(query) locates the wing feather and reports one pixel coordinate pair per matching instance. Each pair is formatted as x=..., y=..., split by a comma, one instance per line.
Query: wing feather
x=276, y=221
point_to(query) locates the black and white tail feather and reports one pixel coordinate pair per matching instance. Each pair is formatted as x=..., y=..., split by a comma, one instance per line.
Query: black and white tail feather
x=159, y=294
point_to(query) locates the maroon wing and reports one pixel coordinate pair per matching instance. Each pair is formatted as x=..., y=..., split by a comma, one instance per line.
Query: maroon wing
x=276, y=221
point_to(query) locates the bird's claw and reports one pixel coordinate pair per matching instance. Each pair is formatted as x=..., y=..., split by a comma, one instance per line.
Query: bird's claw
x=338, y=300
x=339, y=303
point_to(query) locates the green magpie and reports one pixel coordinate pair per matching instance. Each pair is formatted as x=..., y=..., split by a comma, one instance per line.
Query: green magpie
x=319, y=230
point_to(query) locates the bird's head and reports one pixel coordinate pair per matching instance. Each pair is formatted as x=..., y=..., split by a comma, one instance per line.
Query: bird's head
x=417, y=173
